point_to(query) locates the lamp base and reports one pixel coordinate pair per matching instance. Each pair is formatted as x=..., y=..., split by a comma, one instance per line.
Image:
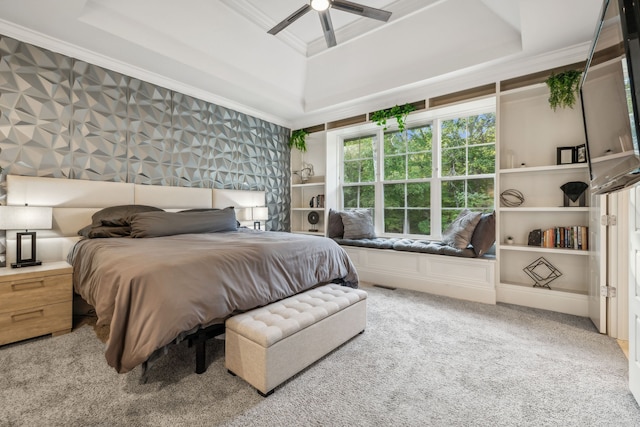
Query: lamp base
x=25, y=264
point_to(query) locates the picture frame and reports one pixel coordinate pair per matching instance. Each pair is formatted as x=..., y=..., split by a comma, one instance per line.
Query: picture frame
x=566, y=155
x=581, y=154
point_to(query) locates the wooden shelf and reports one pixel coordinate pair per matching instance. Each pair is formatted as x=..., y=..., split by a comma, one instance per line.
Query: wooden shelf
x=545, y=209
x=548, y=168
x=308, y=209
x=526, y=248
x=308, y=184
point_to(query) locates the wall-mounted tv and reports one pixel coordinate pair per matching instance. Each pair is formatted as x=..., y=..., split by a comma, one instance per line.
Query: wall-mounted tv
x=609, y=96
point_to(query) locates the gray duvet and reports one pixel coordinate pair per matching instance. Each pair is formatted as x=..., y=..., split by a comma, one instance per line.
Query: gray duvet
x=152, y=290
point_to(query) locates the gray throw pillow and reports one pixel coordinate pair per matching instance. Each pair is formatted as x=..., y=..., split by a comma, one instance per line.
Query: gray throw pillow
x=358, y=224
x=485, y=234
x=335, y=228
x=103, y=231
x=459, y=233
x=156, y=224
x=119, y=216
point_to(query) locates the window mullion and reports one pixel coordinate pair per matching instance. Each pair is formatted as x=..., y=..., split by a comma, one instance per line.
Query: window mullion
x=379, y=177
x=436, y=183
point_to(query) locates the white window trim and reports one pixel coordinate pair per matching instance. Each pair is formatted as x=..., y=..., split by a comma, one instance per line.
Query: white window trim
x=335, y=140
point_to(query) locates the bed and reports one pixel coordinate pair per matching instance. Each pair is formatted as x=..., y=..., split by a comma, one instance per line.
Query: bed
x=165, y=286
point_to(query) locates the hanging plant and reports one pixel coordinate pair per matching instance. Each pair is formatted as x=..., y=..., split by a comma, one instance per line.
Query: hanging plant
x=299, y=140
x=563, y=89
x=400, y=112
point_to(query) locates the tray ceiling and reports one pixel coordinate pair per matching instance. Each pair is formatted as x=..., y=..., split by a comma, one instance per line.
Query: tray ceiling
x=219, y=50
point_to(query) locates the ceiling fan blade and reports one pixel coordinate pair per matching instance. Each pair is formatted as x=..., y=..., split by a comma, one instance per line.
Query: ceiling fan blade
x=327, y=28
x=358, y=9
x=290, y=19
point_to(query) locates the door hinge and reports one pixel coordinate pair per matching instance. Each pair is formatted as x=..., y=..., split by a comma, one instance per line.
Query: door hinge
x=608, y=291
x=608, y=220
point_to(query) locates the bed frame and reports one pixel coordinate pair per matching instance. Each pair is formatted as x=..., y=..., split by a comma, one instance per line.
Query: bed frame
x=75, y=201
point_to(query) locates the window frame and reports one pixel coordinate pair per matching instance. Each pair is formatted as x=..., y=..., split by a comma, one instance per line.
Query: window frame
x=433, y=117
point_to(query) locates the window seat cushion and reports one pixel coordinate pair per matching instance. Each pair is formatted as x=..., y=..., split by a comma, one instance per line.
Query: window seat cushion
x=376, y=243
x=408, y=245
x=428, y=247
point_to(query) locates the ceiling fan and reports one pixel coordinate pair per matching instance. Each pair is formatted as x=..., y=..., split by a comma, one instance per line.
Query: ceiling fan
x=322, y=7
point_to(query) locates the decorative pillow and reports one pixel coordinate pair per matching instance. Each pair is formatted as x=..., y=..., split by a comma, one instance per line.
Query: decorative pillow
x=358, y=224
x=335, y=228
x=459, y=233
x=102, y=231
x=156, y=224
x=119, y=215
x=485, y=234
x=208, y=210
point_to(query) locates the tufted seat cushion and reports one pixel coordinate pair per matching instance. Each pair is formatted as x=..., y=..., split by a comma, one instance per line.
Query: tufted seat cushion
x=428, y=247
x=376, y=243
x=268, y=325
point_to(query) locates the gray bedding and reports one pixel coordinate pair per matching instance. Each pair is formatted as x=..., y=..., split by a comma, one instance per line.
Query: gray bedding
x=150, y=291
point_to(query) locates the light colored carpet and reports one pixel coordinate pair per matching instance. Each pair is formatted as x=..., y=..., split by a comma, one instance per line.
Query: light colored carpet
x=423, y=360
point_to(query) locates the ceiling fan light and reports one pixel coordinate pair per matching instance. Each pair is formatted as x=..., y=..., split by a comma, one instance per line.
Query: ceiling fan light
x=320, y=5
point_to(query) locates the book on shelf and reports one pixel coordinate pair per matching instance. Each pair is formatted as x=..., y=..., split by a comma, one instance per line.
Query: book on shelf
x=569, y=237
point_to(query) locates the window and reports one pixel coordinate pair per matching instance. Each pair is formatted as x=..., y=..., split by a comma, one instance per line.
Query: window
x=407, y=186
x=359, y=172
x=468, y=151
x=416, y=182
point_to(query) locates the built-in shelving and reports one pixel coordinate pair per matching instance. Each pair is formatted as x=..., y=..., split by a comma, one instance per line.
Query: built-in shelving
x=530, y=132
x=303, y=196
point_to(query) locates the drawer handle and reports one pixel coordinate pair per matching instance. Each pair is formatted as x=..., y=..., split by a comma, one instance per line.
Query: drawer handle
x=26, y=316
x=27, y=285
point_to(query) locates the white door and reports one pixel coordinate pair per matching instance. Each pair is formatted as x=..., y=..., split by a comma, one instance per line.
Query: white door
x=634, y=292
x=597, y=262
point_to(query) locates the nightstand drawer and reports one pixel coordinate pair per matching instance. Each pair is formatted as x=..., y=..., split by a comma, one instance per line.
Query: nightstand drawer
x=34, y=292
x=22, y=324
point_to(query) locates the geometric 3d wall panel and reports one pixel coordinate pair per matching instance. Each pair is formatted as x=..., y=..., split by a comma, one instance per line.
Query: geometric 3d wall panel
x=63, y=117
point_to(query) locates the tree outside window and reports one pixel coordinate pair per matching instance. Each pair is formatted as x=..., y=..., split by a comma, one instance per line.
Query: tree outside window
x=468, y=165
x=400, y=176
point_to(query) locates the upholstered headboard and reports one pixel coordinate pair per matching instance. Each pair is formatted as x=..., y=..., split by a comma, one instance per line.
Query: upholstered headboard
x=75, y=201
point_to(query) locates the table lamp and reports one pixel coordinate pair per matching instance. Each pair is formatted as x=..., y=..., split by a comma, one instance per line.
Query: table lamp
x=255, y=214
x=25, y=218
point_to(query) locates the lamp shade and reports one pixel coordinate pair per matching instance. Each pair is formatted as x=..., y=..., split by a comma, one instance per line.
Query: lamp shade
x=260, y=213
x=25, y=217
x=253, y=214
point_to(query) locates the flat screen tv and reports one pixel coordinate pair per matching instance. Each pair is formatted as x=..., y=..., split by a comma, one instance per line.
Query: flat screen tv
x=609, y=95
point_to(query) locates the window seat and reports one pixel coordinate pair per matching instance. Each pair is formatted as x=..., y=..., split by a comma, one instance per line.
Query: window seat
x=408, y=245
x=423, y=266
x=427, y=266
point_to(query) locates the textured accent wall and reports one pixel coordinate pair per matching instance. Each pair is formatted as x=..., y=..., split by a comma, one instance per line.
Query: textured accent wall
x=62, y=117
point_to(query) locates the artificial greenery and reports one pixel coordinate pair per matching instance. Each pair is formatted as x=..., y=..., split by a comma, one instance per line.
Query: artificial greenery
x=563, y=88
x=400, y=112
x=299, y=140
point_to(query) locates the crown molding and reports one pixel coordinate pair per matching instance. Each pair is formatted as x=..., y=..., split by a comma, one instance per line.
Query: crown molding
x=56, y=45
x=487, y=73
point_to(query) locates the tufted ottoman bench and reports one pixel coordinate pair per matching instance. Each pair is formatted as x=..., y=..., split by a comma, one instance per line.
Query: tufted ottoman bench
x=268, y=345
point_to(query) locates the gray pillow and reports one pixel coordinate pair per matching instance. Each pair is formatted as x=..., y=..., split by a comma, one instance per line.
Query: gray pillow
x=459, y=233
x=358, y=224
x=119, y=215
x=102, y=231
x=335, y=228
x=485, y=234
x=156, y=224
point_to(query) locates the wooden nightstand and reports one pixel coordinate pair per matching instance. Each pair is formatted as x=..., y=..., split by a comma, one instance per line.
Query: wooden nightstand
x=35, y=301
